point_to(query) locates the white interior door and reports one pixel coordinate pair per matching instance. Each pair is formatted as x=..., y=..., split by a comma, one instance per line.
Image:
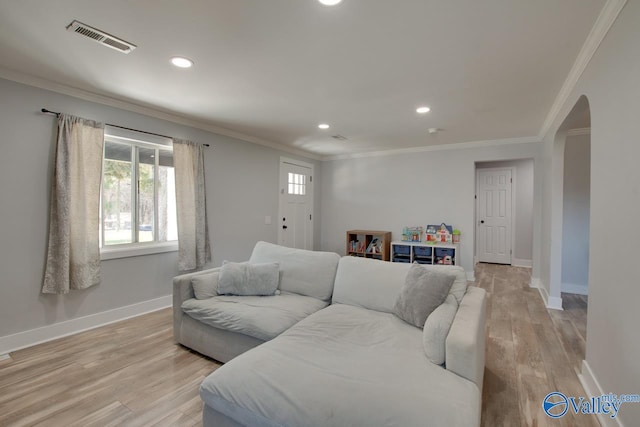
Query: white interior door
x=295, y=222
x=493, y=216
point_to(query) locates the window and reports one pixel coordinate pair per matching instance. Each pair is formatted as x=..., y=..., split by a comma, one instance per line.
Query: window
x=297, y=184
x=138, y=193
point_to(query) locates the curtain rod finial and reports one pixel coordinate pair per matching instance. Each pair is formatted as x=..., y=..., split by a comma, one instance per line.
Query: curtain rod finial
x=45, y=111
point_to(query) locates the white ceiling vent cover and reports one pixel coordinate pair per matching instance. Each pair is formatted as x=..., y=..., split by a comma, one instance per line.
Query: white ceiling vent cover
x=101, y=37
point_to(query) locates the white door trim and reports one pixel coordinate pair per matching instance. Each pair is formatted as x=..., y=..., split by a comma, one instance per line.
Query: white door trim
x=290, y=161
x=513, y=208
x=514, y=186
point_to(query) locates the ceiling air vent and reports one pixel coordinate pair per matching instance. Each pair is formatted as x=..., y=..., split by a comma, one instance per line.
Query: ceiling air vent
x=339, y=137
x=101, y=37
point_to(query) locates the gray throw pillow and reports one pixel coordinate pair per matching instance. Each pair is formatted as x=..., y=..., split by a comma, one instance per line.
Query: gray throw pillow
x=205, y=286
x=423, y=291
x=243, y=278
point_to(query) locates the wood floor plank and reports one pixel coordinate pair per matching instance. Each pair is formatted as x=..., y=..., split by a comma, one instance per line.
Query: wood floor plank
x=526, y=348
x=110, y=415
x=500, y=391
x=532, y=390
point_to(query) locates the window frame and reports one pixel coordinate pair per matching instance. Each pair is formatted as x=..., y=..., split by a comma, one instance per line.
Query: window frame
x=136, y=140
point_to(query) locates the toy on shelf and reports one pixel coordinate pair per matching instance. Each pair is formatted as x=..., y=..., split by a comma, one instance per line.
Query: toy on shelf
x=442, y=233
x=456, y=235
x=431, y=233
x=412, y=234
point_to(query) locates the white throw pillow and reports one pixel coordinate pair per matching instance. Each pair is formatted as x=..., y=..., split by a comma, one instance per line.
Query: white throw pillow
x=205, y=286
x=436, y=330
x=243, y=278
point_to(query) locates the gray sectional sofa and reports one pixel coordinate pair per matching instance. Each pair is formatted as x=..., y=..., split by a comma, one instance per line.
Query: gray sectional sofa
x=351, y=363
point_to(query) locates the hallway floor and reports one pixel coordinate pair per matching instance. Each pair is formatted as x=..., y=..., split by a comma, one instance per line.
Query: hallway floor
x=531, y=351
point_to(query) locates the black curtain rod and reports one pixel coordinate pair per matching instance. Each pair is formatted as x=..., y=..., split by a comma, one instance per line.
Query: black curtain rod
x=44, y=110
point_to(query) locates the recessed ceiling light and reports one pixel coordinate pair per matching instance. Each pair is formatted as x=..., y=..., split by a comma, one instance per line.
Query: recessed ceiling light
x=324, y=126
x=423, y=110
x=181, y=62
x=330, y=2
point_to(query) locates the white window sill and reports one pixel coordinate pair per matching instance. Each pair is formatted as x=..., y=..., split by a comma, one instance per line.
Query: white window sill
x=126, y=251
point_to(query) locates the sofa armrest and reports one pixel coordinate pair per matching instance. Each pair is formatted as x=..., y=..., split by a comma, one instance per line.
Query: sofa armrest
x=182, y=291
x=465, y=343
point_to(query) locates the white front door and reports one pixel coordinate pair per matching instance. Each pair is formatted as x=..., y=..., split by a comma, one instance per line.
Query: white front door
x=493, y=216
x=295, y=223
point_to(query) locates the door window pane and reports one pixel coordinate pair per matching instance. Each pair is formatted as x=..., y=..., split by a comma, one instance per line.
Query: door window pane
x=297, y=184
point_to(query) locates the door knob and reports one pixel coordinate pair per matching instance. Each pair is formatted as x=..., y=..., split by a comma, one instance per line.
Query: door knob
x=482, y=221
x=284, y=227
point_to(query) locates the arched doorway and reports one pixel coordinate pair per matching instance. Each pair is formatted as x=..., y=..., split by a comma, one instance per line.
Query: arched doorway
x=569, y=255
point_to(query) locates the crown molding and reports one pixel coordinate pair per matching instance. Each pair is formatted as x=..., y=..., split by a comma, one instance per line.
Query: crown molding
x=605, y=20
x=442, y=147
x=50, y=85
x=63, y=89
x=580, y=131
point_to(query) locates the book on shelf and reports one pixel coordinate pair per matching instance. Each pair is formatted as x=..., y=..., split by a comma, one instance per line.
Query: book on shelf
x=356, y=246
x=375, y=247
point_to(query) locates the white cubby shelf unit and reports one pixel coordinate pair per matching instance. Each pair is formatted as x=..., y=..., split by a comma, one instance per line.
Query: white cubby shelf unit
x=425, y=253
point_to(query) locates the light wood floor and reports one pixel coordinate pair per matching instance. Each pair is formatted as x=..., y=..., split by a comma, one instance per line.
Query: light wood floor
x=132, y=374
x=531, y=351
x=126, y=374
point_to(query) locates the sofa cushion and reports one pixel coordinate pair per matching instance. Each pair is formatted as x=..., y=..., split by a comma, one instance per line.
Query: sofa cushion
x=309, y=273
x=423, y=291
x=375, y=285
x=342, y=366
x=436, y=330
x=205, y=286
x=262, y=317
x=243, y=278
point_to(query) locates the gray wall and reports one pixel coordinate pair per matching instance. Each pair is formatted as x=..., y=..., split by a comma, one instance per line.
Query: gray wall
x=523, y=192
x=242, y=188
x=575, y=214
x=611, y=82
x=418, y=188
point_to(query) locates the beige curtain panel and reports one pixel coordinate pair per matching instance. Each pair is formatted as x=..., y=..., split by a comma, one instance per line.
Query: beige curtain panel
x=193, y=232
x=73, y=256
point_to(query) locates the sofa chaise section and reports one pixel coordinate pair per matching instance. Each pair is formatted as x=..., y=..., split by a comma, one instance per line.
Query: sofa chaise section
x=355, y=363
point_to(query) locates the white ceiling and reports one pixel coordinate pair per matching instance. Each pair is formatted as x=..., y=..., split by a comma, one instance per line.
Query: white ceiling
x=275, y=69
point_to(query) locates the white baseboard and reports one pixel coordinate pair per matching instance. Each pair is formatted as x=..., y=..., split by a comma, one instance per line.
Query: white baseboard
x=554, y=303
x=592, y=388
x=20, y=340
x=518, y=262
x=471, y=276
x=574, y=288
x=535, y=282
